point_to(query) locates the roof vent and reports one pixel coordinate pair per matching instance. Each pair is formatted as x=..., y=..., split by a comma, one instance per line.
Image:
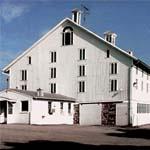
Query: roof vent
x=110, y=37
x=76, y=16
x=130, y=52
x=40, y=92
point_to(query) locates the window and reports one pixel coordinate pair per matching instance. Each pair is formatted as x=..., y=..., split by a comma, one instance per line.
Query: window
x=82, y=70
x=113, y=84
x=50, y=108
x=147, y=87
x=136, y=70
x=141, y=85
x=53, y=88
x=136, y=84
x=67, y=38
x=82, y=86
x=29, y=60
x=82, y=54
x=53, y=72
x=113, y=68
x=23, y=75
x=61, y=106
x=143, y=108
x=142, y=73
x=108, y=53
x=10, y=108
x=69, y=108
x=53, y=57
x=24, y=87
x=24, y=106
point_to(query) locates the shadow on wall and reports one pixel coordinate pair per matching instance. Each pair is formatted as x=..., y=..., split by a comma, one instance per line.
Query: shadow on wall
x=51, y=145
x=132, y=133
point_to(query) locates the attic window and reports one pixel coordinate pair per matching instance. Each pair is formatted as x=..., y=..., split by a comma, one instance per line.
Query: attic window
x=29, y=60
x=67, y=37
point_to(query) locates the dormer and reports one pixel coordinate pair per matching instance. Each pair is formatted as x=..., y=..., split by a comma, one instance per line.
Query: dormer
x=110, y=37
x=76, y=16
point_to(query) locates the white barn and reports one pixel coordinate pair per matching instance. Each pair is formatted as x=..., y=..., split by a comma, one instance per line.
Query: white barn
x=110, y=86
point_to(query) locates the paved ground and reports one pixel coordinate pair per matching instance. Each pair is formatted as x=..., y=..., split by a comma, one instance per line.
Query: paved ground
x=78, y=137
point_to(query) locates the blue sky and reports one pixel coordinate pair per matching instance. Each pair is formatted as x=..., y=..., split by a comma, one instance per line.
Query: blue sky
x=22, y=22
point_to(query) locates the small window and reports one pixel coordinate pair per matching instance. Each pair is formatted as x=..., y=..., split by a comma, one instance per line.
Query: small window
x=147, y=87
x=67, y=38
x=82, y=70
x=69, y=108
x=50, y=108
x=24, y=87
x=114, y=86
x=61, y=106
x=137, y=70
x=108, y=53
x=23, y=75
x=10, y=108
x=82, y=86
x=113, y=68
x=53, y=72
x=24, y=106
x=53, y=57
x=141, y=85
x=142, y=73
x=53, y=87
x=82, y=54
x=29, y=60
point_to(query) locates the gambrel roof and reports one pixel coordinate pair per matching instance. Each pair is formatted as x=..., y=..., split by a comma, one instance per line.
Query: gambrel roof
x=136, y=60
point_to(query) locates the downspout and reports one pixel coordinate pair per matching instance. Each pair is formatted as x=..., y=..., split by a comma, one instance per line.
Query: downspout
x=130, y=97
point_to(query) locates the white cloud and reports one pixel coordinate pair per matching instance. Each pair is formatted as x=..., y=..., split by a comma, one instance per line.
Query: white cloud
x=10, y=11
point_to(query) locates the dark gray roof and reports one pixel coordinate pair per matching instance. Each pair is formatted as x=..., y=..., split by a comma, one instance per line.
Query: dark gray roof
x=46, y=95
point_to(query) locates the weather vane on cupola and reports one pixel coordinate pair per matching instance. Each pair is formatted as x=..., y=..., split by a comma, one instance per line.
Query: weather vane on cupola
x=85, y=11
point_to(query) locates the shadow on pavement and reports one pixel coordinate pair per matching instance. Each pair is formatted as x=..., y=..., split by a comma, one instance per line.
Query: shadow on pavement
x=51, y=145
x=132, y=133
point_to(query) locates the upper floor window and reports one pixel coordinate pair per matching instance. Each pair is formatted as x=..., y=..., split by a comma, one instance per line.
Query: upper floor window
x=29, y=60
x=53, y=57
x=142, y=85
x=113, y=68
x=81, y=70
x=108, y=53
x=23, y=75
x=82, y=86
x=82, y=54
x=67, y=37
x=147, y=87
x=113, y=85
x=136, y=70
x=53, y=87
x=53, y=72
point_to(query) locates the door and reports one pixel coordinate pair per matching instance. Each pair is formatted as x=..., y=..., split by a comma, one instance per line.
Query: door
x=109, y=114
x=76, y=114
x=3, y=112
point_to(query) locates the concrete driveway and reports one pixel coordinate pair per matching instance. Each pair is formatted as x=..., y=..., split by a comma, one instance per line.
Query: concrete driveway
x=69, y=137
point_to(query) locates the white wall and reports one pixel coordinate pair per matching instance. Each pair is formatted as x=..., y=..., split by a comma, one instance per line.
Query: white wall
x=40, y=115
x=90, y=114
x=139, y=96
x=67, y=67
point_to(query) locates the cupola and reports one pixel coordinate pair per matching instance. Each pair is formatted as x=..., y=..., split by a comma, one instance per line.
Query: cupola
x=110, y=37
